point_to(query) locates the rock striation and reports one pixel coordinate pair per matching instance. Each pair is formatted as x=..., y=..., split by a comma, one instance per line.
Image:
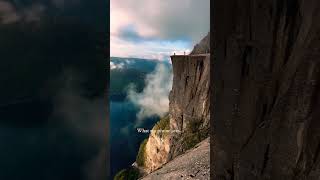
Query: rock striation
x=266, y=76
x=189, y=107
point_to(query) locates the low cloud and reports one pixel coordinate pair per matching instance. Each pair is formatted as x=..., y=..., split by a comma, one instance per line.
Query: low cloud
x=154, y=99
x=155, y=28
x=160, y=50
x=85, y=118
x=162, y=19
x=116, y=65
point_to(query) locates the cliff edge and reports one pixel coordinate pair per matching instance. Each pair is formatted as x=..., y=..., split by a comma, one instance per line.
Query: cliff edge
x=188, y=121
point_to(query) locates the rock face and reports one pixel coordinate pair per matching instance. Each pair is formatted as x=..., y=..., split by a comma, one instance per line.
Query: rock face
x=203, y=46
x=189, y=113
x=189, y=101
x=193, y=164
x=157, y=150
x=266, y=73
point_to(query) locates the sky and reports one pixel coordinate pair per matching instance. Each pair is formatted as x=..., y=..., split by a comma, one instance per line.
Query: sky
x=155, y=29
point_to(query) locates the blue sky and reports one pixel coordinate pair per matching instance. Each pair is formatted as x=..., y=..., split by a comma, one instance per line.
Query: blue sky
x=155, y=29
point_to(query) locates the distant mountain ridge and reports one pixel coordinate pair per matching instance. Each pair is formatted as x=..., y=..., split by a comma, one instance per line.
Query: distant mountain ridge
x=203, y=47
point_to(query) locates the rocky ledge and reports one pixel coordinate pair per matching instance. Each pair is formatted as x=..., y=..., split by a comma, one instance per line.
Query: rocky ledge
x=193, y=164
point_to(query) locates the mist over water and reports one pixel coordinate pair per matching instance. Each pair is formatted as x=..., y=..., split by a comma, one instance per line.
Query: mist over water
x=140, y=108
x=154, y=99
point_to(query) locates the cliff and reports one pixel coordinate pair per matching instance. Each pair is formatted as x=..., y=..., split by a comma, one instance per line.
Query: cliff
x=189, y=101
x=266, y=73
x=187, y=124
x=189, y=116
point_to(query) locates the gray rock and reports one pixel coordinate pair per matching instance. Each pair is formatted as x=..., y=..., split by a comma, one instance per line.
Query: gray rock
x=203, y=47
x=193, y=164
x=189, y=98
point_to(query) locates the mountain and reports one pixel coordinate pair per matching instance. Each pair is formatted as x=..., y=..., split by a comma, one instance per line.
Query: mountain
x=203, y=46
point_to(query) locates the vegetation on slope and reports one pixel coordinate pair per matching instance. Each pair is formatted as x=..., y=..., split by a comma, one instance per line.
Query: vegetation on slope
x=193, y=134
x=163, y=124
x=127, y=174
x=141, y=153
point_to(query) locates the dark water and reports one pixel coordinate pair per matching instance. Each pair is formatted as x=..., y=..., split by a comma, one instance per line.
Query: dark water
x=125, y=140
x=37, y=142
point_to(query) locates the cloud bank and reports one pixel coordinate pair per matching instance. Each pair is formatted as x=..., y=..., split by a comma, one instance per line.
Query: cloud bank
x=154, y=99
x=162, y=19
x=84, y=118
x=155, y=29
x=116, y=65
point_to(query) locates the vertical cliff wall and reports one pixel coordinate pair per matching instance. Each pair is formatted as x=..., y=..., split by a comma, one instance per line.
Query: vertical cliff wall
x=188, y=122
x=189, y=101
x=266, y=72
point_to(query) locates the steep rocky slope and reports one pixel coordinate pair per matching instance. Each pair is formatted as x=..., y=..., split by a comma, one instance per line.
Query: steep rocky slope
x=266, y=72
x=203, y=46
x=193, y=164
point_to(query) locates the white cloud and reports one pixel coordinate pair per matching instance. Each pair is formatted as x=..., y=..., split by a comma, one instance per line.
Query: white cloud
x=154, y=99
x=158, y=21
x=164, y=19
x=147, y=49
x=116, y=65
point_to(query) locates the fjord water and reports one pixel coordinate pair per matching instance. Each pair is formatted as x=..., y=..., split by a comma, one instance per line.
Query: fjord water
x=124, y=138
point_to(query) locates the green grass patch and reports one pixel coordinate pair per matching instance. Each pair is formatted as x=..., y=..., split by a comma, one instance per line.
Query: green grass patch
x=141, y=156
x=163, y=124
x=127, y=174
x=193, y=134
